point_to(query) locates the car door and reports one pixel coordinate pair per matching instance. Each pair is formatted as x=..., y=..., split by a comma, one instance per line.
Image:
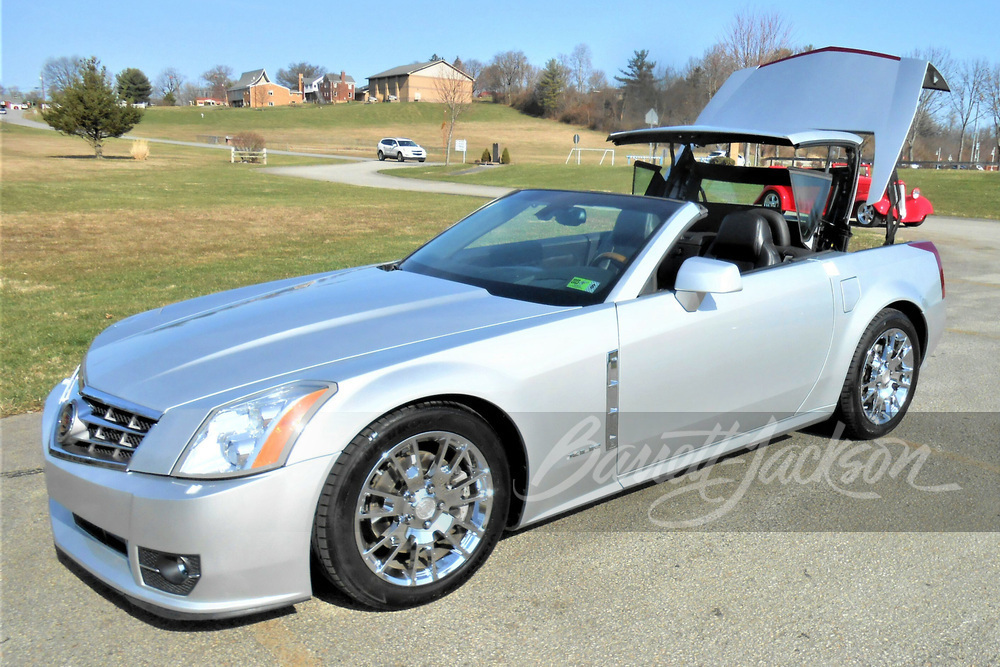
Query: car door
x=690, y=379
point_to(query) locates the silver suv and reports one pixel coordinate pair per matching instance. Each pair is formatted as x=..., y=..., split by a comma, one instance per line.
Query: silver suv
x=401, y=149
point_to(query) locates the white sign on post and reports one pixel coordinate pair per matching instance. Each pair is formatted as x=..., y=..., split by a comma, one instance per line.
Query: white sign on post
x=460, y=145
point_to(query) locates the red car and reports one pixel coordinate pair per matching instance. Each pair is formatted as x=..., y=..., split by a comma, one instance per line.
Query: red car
x=916, y=208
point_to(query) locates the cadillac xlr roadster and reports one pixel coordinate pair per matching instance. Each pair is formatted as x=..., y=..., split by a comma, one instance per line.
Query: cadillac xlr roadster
x=386, y=424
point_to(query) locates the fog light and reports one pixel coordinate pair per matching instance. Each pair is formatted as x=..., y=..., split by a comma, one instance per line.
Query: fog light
x=172, y=573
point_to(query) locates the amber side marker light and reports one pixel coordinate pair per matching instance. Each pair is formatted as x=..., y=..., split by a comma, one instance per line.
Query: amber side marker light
x=288, y=427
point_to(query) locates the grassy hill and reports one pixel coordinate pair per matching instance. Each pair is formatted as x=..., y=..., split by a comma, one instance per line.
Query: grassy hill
x=358, y=127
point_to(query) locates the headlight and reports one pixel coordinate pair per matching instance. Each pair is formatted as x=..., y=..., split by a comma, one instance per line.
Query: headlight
x=252, y=435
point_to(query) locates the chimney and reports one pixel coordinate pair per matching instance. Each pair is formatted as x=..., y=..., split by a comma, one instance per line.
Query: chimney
x=300, y=84
x=343, y=76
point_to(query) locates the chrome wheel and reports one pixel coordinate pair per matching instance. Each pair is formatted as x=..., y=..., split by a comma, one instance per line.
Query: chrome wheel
x=867, y=215
x=771, y=200
x=423, y=510
x=886, y=376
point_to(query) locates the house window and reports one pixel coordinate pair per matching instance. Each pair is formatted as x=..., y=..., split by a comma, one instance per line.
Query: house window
x=270, y=92
x=270, y=104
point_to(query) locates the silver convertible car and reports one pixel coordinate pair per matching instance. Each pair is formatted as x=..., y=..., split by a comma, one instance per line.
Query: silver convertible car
x=386, y=424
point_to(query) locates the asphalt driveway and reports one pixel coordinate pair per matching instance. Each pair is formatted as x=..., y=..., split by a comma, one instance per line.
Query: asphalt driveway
x=796, y=571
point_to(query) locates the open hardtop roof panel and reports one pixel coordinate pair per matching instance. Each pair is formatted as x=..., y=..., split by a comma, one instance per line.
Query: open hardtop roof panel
x=832, y=94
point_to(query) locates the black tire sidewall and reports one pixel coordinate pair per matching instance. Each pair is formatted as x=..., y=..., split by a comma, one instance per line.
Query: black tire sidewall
x=349, y=570
x=858, y=426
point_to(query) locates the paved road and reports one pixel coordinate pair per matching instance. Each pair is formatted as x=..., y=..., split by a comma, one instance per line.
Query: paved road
x=367, y=174
x=794, y=573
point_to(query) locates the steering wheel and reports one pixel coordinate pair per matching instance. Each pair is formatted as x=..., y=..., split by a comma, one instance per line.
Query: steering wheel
x=614, y=257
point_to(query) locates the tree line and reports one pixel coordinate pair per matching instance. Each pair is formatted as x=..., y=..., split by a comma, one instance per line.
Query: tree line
x=963, y=125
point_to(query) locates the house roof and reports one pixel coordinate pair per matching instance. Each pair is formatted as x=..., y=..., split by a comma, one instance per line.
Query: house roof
x=249, y=78
x=405, y=70
x=335, y=78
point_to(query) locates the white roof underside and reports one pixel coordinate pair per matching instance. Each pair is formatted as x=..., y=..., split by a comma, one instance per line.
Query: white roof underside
x=713, y=134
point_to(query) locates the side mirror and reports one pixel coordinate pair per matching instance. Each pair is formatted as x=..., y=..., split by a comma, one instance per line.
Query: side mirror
x=699, y=276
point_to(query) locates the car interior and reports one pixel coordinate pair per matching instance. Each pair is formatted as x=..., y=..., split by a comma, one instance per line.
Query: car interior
x=735, y=226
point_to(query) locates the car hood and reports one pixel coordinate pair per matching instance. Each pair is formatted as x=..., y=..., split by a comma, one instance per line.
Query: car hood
x=198, y=348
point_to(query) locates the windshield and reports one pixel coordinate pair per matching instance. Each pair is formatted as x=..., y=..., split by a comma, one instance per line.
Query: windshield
x=406, y=142
x=560, y=248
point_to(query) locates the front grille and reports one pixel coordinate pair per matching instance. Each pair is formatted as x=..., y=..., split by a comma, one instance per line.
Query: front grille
x=104, y=433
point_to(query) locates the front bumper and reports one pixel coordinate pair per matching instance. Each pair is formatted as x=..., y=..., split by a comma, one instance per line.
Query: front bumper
x=252, y=534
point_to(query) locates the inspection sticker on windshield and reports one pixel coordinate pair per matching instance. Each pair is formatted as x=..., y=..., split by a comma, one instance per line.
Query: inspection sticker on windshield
x=584, y=285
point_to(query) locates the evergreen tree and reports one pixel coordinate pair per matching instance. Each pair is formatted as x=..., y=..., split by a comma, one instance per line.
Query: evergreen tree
x=89, y=108
x=550, y=87
x=133, y=86
x=639, y=83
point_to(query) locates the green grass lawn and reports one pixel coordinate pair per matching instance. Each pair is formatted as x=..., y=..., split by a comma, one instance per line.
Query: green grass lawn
x=603, y=178
x=964, y=194
x=356, y=128
x=87, y=242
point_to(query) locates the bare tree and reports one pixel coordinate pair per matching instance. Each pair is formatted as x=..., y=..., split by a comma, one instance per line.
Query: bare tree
x=59, y=73
x=169, y=81
x=219, y=78
x=579, y=67
x=992, y=100
x=967, y=86
x=474, y=68
x=454, y=89
x=754, y=38
x=513, y=72
x=290, y=77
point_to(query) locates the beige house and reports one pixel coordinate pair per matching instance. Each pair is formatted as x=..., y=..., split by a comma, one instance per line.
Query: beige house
x=420, y=82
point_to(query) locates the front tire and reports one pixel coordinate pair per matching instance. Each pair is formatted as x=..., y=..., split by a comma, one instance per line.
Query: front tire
x=882, y=377
x=413, y=506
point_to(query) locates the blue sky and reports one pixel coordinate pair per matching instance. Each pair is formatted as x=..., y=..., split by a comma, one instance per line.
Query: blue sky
x=365, y=38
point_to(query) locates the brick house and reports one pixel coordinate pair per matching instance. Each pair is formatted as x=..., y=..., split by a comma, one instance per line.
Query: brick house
x=255, y=89
x=419, y=82
x=330, y=88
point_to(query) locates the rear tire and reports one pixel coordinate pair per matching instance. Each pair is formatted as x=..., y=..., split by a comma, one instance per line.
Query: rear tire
x=868, y=216
x=381, y=156
x=882, y=377
x=772, y=200
x=413, y=506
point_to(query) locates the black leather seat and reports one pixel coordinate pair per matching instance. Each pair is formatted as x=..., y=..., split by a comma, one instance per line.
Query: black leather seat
x=630, y=232
x=744, y=239
x=785, y=234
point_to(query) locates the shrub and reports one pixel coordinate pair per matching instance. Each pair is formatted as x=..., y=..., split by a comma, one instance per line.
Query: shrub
x=722, y=159
x=486, y=156
x=505, y=157
x=140, y=149
x=248, y=141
